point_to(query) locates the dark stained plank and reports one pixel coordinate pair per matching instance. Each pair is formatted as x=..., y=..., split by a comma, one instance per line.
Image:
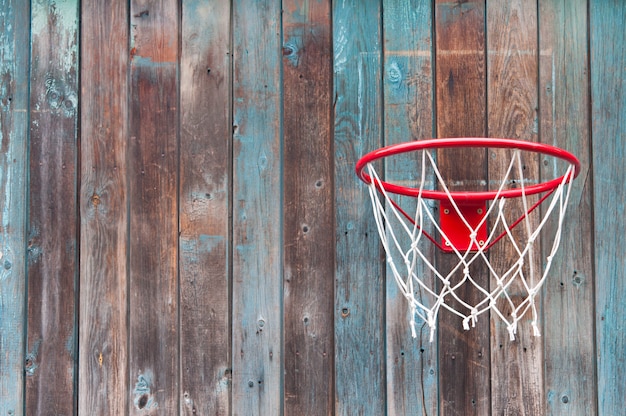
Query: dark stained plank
x=517, y=366
x=412, y=370
x=464, y=386
x=153, y=200
x=570, y=386
x=308, y=208
x=359, y=270
x=53, y=266
x=103, y=332
x=14, y=100
x=205, y=103
x=257, y=326
x=608, y=130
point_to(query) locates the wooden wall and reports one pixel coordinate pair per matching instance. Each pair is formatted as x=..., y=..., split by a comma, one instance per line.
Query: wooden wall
x=182, y=231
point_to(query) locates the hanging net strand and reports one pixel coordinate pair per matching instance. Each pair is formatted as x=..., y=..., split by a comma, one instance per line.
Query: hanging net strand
x=427, y=289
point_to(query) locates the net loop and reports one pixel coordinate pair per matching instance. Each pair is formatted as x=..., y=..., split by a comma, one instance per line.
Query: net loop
x=427, y=289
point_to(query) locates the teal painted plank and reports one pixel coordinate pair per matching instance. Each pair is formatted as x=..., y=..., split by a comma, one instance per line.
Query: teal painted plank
x=257, y=209
x=412, y=371
x=359, y=270
x=309, y=208
x=205, y=147
x=608, y=115
x=103, y=203
x=14, y=16
x=53, y=264
x=570, y=384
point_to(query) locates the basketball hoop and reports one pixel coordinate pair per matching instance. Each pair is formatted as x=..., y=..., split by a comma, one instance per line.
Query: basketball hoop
x=462, y=228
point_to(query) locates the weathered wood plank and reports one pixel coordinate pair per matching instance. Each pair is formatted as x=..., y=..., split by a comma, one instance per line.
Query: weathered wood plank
x=153, y=187
x=205, y=147
x=564, y=122
x=14, y=100
x=517, y=369
x=257, y=210
x=408, y=115
x=359, y=270
x=464, y=386
x=608, y=130
x=103, y=333
x=52, y=266
x=308, y=208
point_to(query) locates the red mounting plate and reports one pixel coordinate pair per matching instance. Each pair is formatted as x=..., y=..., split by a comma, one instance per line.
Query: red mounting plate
x=456, y=230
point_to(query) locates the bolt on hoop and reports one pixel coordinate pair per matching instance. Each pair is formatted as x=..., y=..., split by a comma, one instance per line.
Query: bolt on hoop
x=464, y=218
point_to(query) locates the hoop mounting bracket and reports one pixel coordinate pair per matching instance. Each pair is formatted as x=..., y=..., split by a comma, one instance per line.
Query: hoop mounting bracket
x=457, y=233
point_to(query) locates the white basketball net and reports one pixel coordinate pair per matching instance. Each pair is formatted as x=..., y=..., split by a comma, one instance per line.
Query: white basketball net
x=427, y=289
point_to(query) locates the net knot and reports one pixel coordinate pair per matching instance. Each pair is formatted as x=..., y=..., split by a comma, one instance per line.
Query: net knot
x=432, y=324
x=512, y=328
x=536, y=331
x=473, y=317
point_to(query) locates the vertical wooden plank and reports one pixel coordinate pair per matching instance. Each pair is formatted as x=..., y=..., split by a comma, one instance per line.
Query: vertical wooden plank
x=408, y=115
x=359, y=270
x=608, y=115
x=461, y=112
x=14, y=64
x=517, y=369
x=153, y=200
x=308, y=208
x=564, y=122
x=257, y=209
x=52, y=267
x=103, y=333
x=205, y=148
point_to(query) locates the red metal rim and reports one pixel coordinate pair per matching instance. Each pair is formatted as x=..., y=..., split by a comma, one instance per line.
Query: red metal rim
x=468, y=142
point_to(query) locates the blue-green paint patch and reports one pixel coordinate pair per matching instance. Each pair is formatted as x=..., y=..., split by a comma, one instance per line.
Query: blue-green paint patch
x=140, y=61
x=144, y=399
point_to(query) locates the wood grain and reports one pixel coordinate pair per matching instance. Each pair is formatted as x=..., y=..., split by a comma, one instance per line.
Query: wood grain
x=517, y=369
x=464, y=385
x=359, y=270
x=153, y=209
x=308, y=208
x=257, y=210
x=14, y=108
x=608, y=130
x=205, y=168
x=103, y=333
x=564, y=122
x=53, y=265
x=408, y=115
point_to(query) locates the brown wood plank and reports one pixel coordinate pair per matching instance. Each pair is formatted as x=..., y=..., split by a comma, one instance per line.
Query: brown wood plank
x=308, y=208
x=461, y=112
x=153, y=200
x=205, y=82
x=517, y=369
x=570, y=385
x=103, y=332
x=52, y=268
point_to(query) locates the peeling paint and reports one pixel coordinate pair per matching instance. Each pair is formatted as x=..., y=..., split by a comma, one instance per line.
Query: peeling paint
x=144, y=399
